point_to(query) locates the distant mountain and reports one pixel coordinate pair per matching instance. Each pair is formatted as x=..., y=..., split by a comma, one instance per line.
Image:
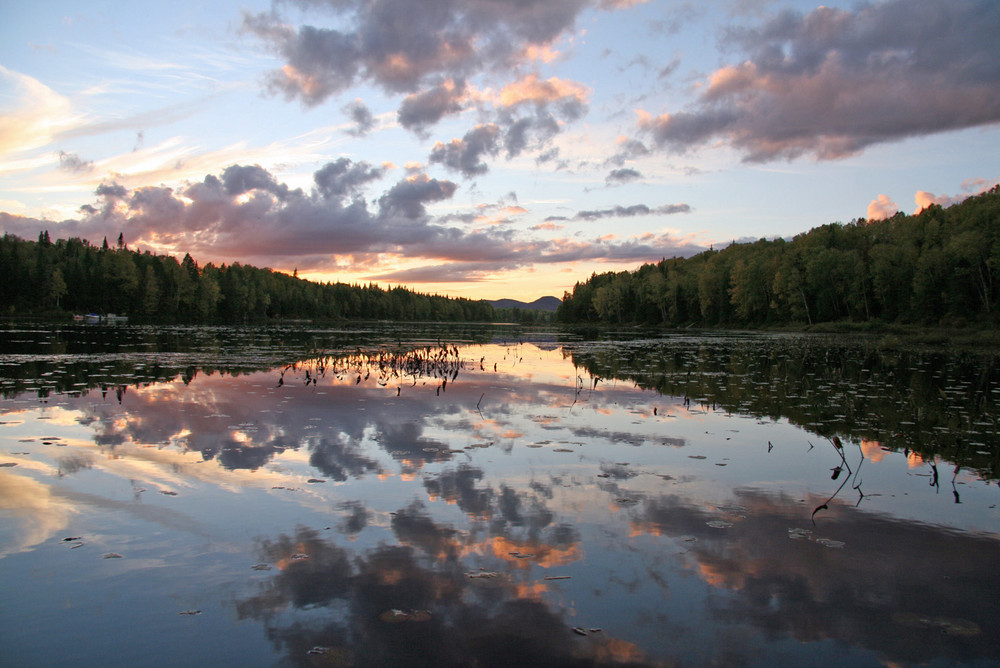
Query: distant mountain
x=540, y=304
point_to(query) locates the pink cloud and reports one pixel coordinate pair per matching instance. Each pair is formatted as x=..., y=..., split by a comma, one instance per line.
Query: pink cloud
x=552, y=90
x=975, y=186
x=881, y=207
x=832, y=82
x=244, y=214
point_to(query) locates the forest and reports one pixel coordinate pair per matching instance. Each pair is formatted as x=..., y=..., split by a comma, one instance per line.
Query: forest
x=74, y=276
x=934, y=268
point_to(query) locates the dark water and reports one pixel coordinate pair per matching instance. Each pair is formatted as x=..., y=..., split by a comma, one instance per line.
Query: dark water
x=487, y=496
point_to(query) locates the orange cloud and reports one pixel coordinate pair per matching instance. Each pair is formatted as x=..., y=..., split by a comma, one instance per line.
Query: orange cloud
x=621, y=4
x=615, y=649
x=914, y=460
x=721, y=576
x=872, y=450
x=544, y=53
x=880, y=208
x=531, y=89
x=530, y=590
x=547, y=226
x=526, y=554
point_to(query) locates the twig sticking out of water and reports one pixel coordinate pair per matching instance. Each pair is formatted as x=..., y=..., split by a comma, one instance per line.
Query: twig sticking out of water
x=839, y=447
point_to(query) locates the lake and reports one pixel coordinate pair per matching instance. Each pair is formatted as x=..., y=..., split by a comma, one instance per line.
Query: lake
x=485, y=495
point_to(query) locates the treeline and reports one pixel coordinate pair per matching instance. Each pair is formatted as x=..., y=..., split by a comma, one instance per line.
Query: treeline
x=937, y=267
x=71, y=275
x=524, y=316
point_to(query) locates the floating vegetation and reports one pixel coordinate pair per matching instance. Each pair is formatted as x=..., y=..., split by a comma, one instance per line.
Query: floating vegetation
x=827, y=542
x=111, y=555
x=395, y=616
x=189, y=613
x=950, y=625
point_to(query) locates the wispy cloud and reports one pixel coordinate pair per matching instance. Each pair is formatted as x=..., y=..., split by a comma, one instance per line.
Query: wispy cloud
x=625, y=212
x=33, y=114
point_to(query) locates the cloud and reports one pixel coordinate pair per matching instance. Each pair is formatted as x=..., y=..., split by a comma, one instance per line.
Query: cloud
x=976, y=186
x=528, y=113
x=427, y=50
x=245, y=214
x=35, y=511
x=319, y=62
x=881, y=207
x=621, y=4
x=568, y=96
x=623, y=175
x=488, y=255
x=628, y=149
x=407, y=198
x=344, y=177
x=400, y=44
x=453, y=272
x=466, y=155
x=362, y=117
x=111, y=191
x=618, y=211
x=240, y=179
x=421, y=110
x=71, y=162
x=32, y=113
x=832, y=82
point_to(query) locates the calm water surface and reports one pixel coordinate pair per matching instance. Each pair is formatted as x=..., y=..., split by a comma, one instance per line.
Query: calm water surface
x=487, y=496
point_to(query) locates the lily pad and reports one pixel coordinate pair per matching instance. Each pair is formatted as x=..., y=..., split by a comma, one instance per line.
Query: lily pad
x=482, y=575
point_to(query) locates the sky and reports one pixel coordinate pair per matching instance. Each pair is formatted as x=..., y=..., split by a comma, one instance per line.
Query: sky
x=486, y=148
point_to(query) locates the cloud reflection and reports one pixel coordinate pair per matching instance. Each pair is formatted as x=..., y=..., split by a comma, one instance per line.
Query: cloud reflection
x=788, y=577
